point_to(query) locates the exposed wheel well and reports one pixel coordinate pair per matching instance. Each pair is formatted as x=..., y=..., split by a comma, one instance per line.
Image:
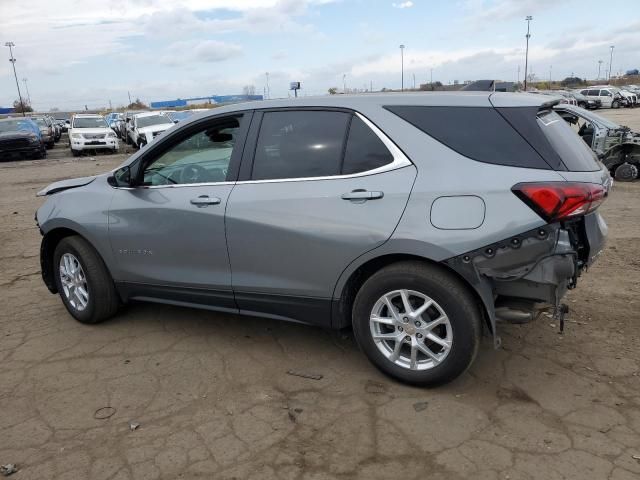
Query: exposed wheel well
x=47, y=247
x=358, y=277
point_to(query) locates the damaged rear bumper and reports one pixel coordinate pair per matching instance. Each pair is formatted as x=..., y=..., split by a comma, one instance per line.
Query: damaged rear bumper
x=534, y=268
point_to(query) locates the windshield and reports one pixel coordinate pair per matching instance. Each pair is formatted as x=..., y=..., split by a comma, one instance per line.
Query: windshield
x=41, y=122
x=152, y=120
x=575, y=153
x=89, y=122
x=16, y=126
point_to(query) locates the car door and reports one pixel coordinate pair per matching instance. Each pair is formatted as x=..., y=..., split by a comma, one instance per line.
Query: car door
x=606, y=97
x=317, y=189
x=168, y=234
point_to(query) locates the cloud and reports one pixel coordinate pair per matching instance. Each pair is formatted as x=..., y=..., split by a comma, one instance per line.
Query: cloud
x=193, y=52
x=408, y=4
x=493, y=10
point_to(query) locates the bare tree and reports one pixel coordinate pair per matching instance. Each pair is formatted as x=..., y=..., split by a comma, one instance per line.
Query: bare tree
x=249, y=90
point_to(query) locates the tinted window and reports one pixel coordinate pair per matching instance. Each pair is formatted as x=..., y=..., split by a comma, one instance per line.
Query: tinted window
x=299, y=144
x=365, y=151
x=200, y=158
x=480, y=133
x=594, y=93
x=575, y=154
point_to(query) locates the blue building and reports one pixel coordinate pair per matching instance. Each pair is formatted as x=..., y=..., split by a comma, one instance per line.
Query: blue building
x=214, y=99
x=5, y=110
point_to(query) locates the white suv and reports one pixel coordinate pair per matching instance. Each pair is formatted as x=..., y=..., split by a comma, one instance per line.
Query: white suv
x=91, y=132
x=609, y=96
x=146, y=126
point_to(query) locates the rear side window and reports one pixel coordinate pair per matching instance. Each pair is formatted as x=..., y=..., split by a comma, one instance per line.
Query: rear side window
x=480, y=133
x=365, y=151
x=575, y=153
x=300, y=144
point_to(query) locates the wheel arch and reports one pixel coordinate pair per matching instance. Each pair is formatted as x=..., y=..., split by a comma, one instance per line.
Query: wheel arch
x=50, y=241
x=346, y=291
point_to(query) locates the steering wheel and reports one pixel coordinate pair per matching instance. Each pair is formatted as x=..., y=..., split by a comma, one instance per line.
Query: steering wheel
x=194, y=174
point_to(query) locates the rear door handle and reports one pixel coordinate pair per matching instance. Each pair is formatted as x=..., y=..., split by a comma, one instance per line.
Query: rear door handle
x=362, y=195
x=204, y=200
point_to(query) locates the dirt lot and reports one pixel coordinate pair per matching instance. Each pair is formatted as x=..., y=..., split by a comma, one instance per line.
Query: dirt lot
x=213, y=398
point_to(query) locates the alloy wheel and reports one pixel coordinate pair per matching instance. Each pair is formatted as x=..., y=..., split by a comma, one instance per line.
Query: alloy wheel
x=74, y=282
x=411, y=330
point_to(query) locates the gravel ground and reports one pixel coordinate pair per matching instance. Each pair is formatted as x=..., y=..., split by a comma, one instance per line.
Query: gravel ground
x=213, y=399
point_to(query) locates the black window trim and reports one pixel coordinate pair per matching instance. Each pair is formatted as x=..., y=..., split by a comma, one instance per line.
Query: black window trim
x=400, y=160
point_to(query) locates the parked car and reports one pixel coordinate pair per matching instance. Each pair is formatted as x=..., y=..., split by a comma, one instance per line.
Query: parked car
x=617, y=146
x=125, y=126
x=91, y=132
x=567, y=97
x=586, y=102
x=46, y=130
x=342, y=211
x=609, y=97
x=63, y=123
x=57, y=130
x=632, y=98
x=20, y=138
x=147, y=126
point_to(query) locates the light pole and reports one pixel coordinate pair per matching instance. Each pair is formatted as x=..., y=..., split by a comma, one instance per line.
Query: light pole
x=344, y=83
x=27, y=88
x=13, y=62
x=526, y=55
x=402, y=68
x=550, y=67
x=610, y=62
x=268, y=92
x=599, y=66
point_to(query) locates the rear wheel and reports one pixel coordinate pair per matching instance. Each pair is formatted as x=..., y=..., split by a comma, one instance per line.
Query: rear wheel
x=626, y=172
x=83, y=281
x=417, y=323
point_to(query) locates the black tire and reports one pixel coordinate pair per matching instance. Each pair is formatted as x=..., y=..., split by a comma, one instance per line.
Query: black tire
x=615, y=104
x=448, y=292
x=75, y=153
x=103, y=299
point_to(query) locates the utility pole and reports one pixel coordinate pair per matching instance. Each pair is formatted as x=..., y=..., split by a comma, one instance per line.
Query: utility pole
x=27, y=88
x=129, y=97
x=599, y=66
x=268, y=91
x=13, y=62
x=371, y=85
x=610, y=61
x=518, y=82
x=526, y=55
x=110, y=105
x=344, y=83
x=550, y=67
x=414, y=81
x=402, y=67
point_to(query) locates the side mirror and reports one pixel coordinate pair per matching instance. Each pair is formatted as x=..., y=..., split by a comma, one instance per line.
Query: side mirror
x=121, y=177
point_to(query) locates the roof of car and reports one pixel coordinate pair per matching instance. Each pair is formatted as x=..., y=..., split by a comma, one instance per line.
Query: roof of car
x=367, y=100
x=147, y=114
x=88, y=115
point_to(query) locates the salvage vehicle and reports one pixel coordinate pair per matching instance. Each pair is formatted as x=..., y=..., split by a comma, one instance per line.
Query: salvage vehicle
x=91, y=132
x=586, y=102
x=609, y=97
x=147, y=126
x=615, y=145
x=46, y=130
x=176, y=117
x=57, y=130
x=20, y=138
x=342, y=211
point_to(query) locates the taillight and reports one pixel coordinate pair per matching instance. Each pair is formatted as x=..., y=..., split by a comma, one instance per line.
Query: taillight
x=555, y=201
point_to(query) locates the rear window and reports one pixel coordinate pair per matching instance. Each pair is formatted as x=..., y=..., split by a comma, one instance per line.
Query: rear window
x=575, y=154
x=365, y=151
x=480, y=133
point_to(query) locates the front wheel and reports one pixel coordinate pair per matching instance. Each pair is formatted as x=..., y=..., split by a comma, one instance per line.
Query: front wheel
x=615, y=104
x=417, y=323
x=83, y=281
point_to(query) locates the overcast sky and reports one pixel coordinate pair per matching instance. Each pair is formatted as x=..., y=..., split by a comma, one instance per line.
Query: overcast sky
x=87, y=52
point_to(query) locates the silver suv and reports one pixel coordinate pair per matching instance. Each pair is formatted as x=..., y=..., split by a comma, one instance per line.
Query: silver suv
x=419, y=220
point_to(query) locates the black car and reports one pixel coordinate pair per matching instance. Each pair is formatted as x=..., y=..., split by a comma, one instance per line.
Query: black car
x=20, y=138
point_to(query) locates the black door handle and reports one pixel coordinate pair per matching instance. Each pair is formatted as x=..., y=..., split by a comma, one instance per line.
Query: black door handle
x=362, y=195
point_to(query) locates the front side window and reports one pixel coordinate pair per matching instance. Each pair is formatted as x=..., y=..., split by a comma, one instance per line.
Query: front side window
x=202, y=157
x=300, y=144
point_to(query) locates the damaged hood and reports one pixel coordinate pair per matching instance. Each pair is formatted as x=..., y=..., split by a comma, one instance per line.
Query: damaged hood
x=65, y=185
